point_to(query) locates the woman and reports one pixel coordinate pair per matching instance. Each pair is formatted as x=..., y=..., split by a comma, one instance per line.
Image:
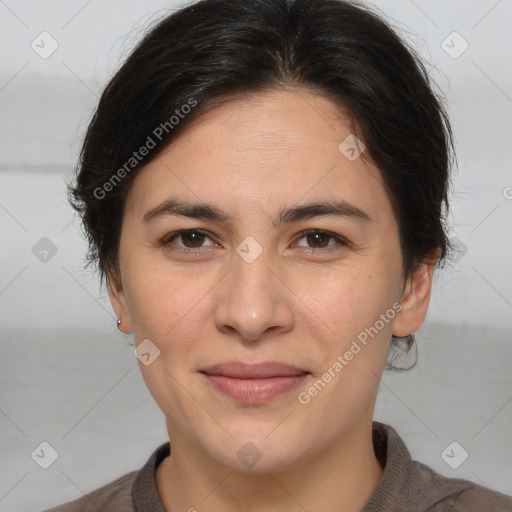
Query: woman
x=264, y=189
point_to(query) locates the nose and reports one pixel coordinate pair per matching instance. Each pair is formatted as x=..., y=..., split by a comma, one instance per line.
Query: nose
x=254, y=300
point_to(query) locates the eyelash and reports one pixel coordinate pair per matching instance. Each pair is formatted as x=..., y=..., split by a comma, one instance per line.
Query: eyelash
x=167, y=240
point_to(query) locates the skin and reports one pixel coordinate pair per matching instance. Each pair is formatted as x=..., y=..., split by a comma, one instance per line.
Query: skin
x=297, y=303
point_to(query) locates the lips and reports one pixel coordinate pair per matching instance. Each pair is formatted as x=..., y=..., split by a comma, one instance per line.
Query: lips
x=254, y=384
x=256, y=371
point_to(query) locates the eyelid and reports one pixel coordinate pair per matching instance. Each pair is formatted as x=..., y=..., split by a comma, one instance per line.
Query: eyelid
x=341, y=241
x=167, y=239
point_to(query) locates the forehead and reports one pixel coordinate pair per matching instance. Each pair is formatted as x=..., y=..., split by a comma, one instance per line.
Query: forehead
x=271, y=120
x=265, y=149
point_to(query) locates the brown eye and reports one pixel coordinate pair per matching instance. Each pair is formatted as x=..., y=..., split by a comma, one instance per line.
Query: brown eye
x=189, y=238
x=318, y=239
x=321, y=239
x=194, y=237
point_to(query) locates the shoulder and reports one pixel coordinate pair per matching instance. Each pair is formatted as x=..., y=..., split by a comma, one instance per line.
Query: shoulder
x=440, y=493
x=408, y=485
x=130, y=492
x=113, y=497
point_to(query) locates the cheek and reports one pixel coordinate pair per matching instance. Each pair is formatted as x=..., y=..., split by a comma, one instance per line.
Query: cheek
x=354, y=356
x=162, y=299
x=167, y=307
x=170, y=303
x=348, y=301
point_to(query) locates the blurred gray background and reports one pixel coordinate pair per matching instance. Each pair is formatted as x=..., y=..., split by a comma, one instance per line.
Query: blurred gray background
x=69, y=378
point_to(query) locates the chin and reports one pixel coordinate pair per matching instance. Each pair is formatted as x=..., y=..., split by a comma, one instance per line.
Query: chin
x=253, y=450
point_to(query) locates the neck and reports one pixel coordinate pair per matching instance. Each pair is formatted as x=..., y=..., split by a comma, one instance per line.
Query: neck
x=342, y=477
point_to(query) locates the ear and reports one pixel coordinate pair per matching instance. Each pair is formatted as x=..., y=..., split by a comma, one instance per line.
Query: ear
x=118, y=300
x=415, y=299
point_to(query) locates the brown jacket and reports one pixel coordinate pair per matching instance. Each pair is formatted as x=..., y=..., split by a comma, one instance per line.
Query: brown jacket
x=405, y=486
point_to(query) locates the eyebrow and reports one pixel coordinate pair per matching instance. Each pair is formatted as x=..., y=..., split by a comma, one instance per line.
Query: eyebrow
x=176, y=207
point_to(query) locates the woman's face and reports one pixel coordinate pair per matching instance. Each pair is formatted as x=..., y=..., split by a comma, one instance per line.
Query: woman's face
x=257, y=290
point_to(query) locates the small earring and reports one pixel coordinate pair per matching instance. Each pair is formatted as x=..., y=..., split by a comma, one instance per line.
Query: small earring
x=119, y=321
